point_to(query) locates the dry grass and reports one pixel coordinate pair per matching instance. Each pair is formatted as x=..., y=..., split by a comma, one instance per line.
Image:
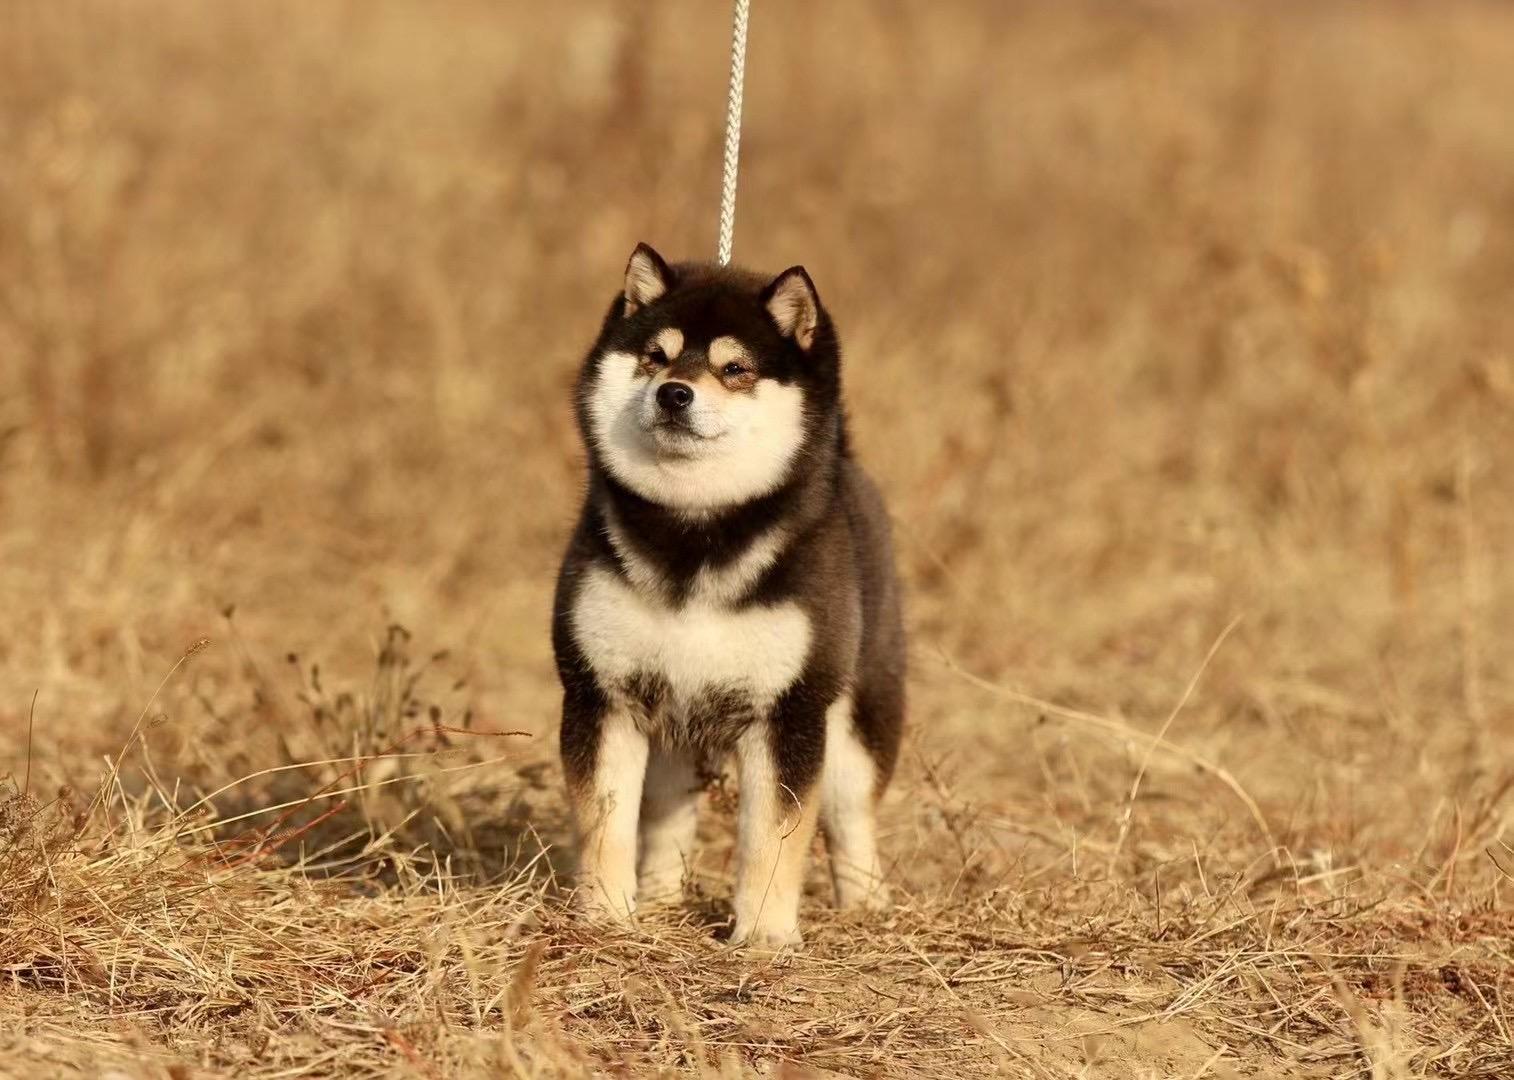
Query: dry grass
x=1178, y=334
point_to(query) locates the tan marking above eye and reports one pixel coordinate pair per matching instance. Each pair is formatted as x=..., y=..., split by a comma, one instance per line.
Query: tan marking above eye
x=728, y=350
x=725, y=351
x=669, y=340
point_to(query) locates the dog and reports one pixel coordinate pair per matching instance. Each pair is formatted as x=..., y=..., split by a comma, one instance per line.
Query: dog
x=729, y=590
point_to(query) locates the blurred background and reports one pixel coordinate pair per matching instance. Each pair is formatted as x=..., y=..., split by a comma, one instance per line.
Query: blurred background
x=1156, y=314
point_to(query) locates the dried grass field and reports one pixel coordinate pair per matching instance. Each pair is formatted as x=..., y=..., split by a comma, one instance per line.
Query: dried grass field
x=1179, y=335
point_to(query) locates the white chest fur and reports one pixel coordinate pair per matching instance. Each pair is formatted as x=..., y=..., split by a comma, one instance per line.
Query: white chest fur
x=698, y=647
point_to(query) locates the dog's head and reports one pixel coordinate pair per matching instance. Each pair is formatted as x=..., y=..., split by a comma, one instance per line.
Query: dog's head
x=707, y=386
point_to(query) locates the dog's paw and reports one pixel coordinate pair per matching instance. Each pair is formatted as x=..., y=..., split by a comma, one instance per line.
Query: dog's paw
x=593, y=906
x=767, y=937
x=660, y=890
x=869, y=899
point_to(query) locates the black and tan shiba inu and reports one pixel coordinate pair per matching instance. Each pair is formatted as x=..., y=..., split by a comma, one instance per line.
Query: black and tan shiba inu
x=730, y=588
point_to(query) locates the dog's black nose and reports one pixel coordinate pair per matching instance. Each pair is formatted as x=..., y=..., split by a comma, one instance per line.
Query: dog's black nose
x=675, y=396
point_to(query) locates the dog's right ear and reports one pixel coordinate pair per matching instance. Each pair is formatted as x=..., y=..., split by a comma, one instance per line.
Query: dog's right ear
x=648, y=279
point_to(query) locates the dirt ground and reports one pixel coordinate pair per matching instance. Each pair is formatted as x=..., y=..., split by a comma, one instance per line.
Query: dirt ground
x=1178, y=334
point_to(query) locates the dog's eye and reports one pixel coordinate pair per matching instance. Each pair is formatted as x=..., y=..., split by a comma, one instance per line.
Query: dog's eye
x=656, y=356
x=733, y=370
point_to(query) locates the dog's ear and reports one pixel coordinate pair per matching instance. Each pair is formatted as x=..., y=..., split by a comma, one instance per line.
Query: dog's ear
x=794, y=306
x=648, y=279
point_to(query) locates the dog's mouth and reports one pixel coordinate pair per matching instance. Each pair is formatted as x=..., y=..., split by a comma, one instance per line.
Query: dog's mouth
x=676, y=437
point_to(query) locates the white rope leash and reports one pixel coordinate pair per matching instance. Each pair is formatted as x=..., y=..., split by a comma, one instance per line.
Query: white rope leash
x=732, y=133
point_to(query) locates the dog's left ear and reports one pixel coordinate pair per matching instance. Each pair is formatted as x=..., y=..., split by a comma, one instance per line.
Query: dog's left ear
x=794, y=306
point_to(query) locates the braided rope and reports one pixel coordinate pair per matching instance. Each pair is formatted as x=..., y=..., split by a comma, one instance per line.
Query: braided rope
x=732, y=133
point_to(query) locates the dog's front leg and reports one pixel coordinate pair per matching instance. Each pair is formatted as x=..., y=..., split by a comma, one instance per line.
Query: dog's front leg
x=777, y=763
x=604, y=762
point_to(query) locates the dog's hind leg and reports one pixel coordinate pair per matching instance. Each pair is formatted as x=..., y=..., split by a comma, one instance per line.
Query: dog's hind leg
x=669, y=818
x=849, y=796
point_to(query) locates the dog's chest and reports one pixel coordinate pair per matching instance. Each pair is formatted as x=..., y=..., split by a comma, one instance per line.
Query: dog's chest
x=698, y=663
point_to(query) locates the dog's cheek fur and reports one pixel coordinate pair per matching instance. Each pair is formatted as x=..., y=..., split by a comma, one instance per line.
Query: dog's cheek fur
x=613, y=384
x=766, y=428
